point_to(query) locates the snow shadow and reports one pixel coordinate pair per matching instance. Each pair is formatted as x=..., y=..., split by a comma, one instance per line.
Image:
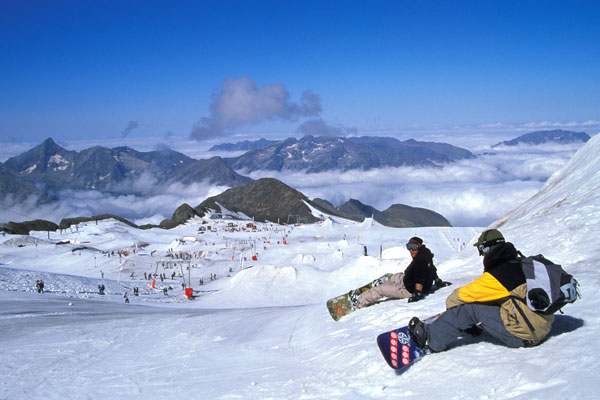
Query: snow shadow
x=565, y=324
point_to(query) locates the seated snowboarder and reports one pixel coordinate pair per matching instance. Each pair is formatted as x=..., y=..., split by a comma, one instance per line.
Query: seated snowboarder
x=487, y=304
x=412, y=284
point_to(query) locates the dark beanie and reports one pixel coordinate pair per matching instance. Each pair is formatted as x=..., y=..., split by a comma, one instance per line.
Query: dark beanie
x=416, y=239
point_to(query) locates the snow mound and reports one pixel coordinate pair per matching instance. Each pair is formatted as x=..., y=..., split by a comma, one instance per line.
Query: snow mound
x=367, y=223
x=304, y=259
x=395, y=252
x=269, y=286
x=328, y=223
x=22, y=241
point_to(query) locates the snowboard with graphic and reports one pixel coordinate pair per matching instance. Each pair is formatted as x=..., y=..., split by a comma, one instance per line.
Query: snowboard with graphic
x=346, y=303
x=398, y=349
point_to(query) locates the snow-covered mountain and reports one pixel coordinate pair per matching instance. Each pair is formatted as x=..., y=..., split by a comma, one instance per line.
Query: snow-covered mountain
x=99, y=168
x=324, y=153
x=261, y=330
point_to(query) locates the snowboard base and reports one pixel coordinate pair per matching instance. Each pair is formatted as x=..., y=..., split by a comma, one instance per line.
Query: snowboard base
x=398, y=349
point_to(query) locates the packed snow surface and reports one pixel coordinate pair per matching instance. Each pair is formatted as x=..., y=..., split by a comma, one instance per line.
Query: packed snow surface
x=258, y=328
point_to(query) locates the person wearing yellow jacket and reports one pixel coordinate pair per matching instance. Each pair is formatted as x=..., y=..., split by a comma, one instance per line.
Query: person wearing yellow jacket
x=494, y=302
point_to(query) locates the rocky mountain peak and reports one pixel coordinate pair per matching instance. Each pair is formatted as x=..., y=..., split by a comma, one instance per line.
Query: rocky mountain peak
x=265, y=199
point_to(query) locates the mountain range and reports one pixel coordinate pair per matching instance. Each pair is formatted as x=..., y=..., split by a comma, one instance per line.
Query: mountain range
x=48, y=168
x=51, y=167
x=397, y=215
x=244, y=145
x=558, y=136
x=323, y=153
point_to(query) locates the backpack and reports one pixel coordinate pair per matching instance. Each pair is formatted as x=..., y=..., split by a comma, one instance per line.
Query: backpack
x=549, y=287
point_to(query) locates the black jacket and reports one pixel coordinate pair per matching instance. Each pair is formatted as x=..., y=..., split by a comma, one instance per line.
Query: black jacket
x=420, y=270
x=503, y=264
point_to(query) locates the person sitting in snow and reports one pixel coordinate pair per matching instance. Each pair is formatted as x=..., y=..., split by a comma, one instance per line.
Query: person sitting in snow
x=414, y=283
x=487, y=304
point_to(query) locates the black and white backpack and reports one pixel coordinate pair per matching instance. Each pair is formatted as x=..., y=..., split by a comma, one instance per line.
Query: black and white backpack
x=549, y=287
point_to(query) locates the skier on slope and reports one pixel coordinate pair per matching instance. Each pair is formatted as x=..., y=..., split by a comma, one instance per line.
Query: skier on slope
x=487, y=304
x=414, y=283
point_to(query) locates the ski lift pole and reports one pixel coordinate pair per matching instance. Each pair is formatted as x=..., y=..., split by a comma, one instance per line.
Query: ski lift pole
x=182, y=274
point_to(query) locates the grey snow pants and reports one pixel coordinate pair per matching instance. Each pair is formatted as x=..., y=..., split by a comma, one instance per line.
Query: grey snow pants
x=451, y=324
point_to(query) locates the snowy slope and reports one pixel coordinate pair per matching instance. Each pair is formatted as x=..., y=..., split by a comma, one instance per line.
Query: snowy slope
x=263, y=332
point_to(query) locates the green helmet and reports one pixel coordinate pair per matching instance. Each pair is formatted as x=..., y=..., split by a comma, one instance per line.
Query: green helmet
x=488, y=240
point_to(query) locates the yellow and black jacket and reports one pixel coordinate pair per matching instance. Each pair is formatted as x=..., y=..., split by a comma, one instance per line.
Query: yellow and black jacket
x=503, y=284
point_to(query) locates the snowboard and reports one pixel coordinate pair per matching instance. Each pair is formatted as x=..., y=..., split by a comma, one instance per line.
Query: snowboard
x=346, y=303
x=398, y=349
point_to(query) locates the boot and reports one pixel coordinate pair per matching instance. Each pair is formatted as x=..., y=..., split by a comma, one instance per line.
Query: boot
x=418, y=334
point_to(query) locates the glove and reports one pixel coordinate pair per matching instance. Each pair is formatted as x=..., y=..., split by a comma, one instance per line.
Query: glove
x=441, y=284
x=418, y=295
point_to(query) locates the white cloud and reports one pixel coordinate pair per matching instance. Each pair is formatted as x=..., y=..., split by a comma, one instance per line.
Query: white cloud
x=496, y=125
x=242, y=102
x=157, y=204
x=559, y=125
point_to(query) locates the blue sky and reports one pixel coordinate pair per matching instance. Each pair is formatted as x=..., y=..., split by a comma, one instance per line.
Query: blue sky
x=88, y=69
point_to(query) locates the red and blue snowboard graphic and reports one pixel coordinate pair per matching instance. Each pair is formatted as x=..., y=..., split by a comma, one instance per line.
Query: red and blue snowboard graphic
x=398, y=349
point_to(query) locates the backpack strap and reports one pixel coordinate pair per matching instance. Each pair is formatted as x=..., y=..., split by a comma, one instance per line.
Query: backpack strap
x=520, y=310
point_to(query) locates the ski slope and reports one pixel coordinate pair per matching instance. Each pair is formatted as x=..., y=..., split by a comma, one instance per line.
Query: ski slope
x=261, y=330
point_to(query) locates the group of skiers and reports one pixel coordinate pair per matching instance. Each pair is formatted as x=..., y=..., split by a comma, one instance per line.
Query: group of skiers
x=161, y=276
x=486, y=304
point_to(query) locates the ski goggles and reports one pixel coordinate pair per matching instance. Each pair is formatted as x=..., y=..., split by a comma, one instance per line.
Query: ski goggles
x=484, y=247
x=412, y=246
